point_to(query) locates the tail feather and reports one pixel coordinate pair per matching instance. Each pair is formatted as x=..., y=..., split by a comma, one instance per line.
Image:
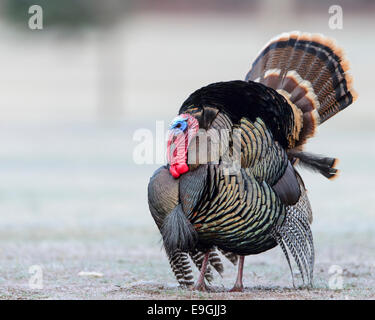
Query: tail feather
x=178, y=232
x=181, y=268
x=232, y=257
x=180, y=265
x=294, y=235
x=324, y=165
x=214, y=260
x=281, y=243
x=310, y=71
x=197, y=257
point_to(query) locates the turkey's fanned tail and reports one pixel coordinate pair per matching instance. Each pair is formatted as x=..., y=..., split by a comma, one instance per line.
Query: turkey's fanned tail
x=311, y=72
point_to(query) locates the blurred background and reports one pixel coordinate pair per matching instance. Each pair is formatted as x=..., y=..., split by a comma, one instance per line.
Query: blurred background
x=71, y=97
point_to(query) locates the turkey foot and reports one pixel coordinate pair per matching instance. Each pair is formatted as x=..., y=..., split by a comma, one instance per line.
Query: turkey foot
x=200, y=287
x=237, y=288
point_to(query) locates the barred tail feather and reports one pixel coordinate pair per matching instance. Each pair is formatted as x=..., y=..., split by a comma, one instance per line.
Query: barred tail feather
x=311, y=72
x=232, y=257
x=214, y=261
x=295, y=236
x=197, y=257
x=281, y=243
x=180, y=265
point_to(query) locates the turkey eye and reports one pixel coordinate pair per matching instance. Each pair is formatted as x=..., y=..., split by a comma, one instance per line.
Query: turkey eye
x=178, y=125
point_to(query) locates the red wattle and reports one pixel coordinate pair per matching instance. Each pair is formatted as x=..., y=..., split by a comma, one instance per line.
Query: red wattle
x=178, y=169
x=180, y=139
x=173, y=171
x=182, y=168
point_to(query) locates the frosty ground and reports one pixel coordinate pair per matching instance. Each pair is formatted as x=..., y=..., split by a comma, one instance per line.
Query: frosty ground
x=72, y=199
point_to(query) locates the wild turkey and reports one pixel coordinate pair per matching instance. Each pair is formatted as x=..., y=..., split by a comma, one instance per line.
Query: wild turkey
x=244, y=195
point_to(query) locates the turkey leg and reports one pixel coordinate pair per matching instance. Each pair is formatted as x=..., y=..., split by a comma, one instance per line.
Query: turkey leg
x=201, y=285
x=238, y=286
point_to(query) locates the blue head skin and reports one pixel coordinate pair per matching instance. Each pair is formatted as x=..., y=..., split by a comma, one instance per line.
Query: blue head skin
x=179, y=123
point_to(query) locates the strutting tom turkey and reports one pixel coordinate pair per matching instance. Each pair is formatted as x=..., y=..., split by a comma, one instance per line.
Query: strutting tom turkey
x=202, y=206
